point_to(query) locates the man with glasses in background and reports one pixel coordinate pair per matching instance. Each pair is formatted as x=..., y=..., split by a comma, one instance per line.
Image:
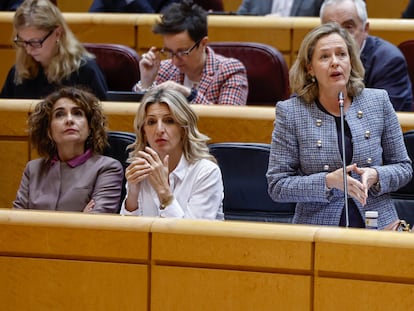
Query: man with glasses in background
x=192, y=67
x=385, y=65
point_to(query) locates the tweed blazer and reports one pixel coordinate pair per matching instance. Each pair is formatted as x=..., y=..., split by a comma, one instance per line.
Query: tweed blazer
x=264, y=7
x=305, y=148
x=58, y=186
x=224, y=80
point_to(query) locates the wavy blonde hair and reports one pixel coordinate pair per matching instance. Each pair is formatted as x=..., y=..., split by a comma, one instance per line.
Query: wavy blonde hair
x=44, y=15
x=301, y=81
x=194, y=142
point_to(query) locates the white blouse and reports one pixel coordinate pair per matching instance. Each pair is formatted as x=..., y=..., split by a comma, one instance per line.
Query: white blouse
x=197, y=189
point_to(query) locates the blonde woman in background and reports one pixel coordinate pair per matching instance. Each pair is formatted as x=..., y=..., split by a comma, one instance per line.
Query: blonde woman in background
x=48, y=55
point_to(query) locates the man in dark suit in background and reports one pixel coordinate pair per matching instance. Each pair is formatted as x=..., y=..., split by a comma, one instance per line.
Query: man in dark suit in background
x=385, y=65
x=281, y=7
x=130, y=6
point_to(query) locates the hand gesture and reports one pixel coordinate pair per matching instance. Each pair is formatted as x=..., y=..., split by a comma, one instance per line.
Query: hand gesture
x=149, y=66
x=137, y=171
x=159, y=171
x=356, y=189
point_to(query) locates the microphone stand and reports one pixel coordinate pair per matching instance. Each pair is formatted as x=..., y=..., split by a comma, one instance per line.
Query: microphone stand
x=341, y=107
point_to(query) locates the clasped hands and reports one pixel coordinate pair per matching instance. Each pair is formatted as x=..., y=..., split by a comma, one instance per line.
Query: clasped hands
x=149, y=165
x=356, y=189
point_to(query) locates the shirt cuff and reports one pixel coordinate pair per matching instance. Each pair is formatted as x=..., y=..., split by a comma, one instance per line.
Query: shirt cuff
x=173, y=210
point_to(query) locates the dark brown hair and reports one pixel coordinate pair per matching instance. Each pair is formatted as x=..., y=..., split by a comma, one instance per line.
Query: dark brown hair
x=39, y=121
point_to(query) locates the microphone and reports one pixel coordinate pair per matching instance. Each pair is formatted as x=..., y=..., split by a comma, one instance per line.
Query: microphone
x=341, y=108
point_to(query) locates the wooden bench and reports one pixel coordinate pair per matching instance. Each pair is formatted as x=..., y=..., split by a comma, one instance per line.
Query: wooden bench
x=75, y=261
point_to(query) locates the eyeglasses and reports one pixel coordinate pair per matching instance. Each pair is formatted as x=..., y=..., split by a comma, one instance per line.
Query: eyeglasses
x=180, y=54
x=36, y=44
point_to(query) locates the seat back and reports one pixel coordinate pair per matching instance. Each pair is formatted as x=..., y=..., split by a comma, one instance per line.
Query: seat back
x=267, y=71
x=119, y=64
x=117, y=149
x=404, y=197
x=211, y=5
x=407, y=48
x=244, y=168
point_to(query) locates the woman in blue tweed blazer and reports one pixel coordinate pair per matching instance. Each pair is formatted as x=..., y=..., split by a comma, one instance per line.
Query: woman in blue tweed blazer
x=305, y=163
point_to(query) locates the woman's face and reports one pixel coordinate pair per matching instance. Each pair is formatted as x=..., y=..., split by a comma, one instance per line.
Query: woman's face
x=69, y=126
x=182, y=42
x=45, y=43
x=330, y=64
x=162, y=131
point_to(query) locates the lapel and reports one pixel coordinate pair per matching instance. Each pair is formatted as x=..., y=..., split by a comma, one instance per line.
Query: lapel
x=366, y=52
x=210, y=71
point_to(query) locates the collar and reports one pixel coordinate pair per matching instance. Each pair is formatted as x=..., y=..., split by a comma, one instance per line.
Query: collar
x=210, y=67
x=362, y=46
x=76, y=161
x=181, y=168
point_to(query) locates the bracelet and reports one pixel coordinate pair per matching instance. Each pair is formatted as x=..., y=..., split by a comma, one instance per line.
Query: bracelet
x=139, y=86
x=163, y=205
x=192, y=95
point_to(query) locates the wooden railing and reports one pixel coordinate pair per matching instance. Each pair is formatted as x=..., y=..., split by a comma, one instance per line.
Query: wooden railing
x=74, y=261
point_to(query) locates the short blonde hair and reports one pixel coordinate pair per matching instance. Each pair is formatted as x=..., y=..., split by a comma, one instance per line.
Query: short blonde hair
x=301, y=81
x=194, y=142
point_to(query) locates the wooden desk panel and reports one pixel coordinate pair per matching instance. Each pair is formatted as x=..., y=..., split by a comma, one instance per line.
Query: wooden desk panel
x=13, y=116
x=104, y=27
x=145, y=37
x=238, y=245
x=8, y=58
x=231, y=5
x=6, y=26
x=189, y=289
x=13, y=156
x=64, y=235
x=74, y=6
x=51, y=284
x=392, y=30
x=356, y=295
x=385, y=8
x=364, y=254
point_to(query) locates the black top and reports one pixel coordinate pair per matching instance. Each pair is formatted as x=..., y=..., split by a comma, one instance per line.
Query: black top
x=88, y=76
x=354, y=216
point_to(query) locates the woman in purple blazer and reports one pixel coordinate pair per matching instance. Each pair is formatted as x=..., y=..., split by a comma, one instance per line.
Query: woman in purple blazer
x=305, y=164
x=68, y=129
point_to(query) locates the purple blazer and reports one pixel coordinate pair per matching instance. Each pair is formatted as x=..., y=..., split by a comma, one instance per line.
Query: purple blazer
x=58, y=186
